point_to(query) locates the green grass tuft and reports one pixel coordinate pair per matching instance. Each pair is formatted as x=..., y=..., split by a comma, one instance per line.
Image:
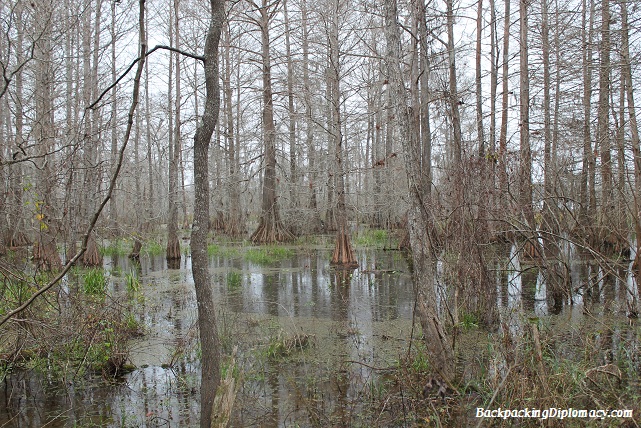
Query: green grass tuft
x=372, y=238
x=268, y=255
x=234, y=280
x=115, y=248
x=222, y=251
x=154, y=248
x=94, y=283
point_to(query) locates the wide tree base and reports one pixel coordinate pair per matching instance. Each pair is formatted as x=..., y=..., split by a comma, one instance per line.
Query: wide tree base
x=17, y=239
x=173, y=249
x=135, y=251
x=234, y=228
x=343, y=255
x=45, y=254
x=270, y=232
x=92, y=256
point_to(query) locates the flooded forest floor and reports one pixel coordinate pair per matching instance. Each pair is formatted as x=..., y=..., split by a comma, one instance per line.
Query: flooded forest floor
x=118, y=347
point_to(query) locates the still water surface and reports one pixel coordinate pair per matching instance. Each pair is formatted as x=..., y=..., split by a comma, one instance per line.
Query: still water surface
x=352, y=324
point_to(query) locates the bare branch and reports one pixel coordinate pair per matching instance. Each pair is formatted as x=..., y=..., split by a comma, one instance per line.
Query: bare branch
x=131, y=66
x=112, y=183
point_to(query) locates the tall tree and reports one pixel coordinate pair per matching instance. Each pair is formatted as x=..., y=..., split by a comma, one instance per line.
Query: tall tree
x=424, y=71
x=626, y=72
x=45, y=251
x=315, y=221
x=587, y=191
x=603, y=120
x=270, y=229
x=234, y=225
x=210, y=343
x=525, y=154
x=173, y=244
x=480, y=133
x=505, y=82
x=343, y=254
x=420, y=221
x=291, y=111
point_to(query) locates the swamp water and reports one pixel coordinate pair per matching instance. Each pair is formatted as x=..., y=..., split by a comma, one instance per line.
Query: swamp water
x=313, y=344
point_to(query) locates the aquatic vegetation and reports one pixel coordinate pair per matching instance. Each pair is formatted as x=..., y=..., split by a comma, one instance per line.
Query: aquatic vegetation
x=154, y=248
x=234, y=280
x=119, y=247
x=223, y=251
x=267, y=255
x=132, y=282
x=94, y=282
x=372, y=238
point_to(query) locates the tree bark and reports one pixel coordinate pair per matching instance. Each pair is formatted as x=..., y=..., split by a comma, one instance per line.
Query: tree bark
x=603, y=121
x=426, y=130
x=588, y=164
x=502, y=156
x=525, y=168
x=480, y=134
x=209, y=340
x=173, y=244
x=234, y=225
x=438, y=347
x=315, y=220
x=45, y=251
x=270, y=228
x=343, y=254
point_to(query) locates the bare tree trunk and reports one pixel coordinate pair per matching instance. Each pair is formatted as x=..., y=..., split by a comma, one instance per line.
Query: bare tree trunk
x=343, y=254
x=209, y=340
x=15, y=233
x=550, y=249
x=426, y=130
x=234, y=225
x=547, y=123
x=150, y=163
x=603, y=123
x=480, y=134
x=453, y=97
x=525, y=168
x=626, y=71
x=438, y=347
x=502, y=158
x=315, y=220
x=293, y=167
x=270, y=228
x=173, y=244
x=93, y=175
x=113, y=202
x=588, y=199
x=45, y=251
x=493, y=81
